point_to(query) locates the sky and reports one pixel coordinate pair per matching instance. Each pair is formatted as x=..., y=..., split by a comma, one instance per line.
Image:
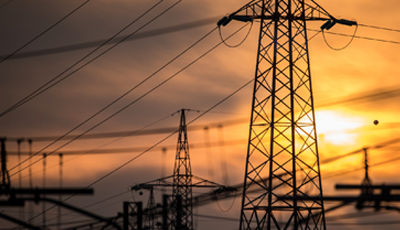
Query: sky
x=352, y=88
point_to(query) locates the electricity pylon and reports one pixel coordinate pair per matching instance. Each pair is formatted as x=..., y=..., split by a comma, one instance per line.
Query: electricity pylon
x=182, y=179
x=180, y=211
x=4, y=175
x=282, y=141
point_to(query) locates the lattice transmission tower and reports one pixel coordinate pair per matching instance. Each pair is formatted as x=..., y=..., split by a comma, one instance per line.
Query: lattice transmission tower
x=182, y=179
x=178, y=213
x=282, y=186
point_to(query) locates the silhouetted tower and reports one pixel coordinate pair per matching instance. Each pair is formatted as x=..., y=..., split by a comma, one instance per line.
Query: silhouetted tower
x=150, y=219
x=5, y=177
x=282, y=164
x=182, y=219
x=366, y=183
x=178, y=209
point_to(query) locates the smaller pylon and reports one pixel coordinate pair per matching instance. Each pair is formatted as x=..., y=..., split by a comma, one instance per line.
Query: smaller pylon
x=179, y=213
x=366, y=182
x=5, y=177
x=182, y=179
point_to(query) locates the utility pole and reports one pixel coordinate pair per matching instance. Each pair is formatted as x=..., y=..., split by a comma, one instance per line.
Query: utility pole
x=282, y=142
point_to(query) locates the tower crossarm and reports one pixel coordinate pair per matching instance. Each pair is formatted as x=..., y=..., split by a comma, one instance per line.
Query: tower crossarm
x=197, y=182
x=257, y=9
x=161, y=182
x=200, y=182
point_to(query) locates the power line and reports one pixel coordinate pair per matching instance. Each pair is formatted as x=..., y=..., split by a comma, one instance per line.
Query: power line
x=353, y=215
x=47, y=85
x=361, y=168
x=234, y=219
x=125, y=107
x=233, y=122
x=156, y=144
x=6, y=4
x=218, y=217
x=103, y=121
x=147, y=34
x=119, y=194
x=167, y=136
x=132, y=133
x=38, y=92
x=248, y=83
x=41, y=34
x=363, y=97
x=103, y=109
x=136, y=149
x=166, y=30
x=120, y=110
x=379, y=27
x=151, y=33
x=358, y=37
x=95, y=203
x=377, y=146
x=81, y=153
x=367, y=96
x=369, y=223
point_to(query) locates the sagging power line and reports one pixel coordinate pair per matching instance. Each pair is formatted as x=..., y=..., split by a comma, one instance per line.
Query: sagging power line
x=54, y=80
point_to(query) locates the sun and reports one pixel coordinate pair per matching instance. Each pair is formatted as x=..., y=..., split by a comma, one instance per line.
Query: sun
x=334, y=127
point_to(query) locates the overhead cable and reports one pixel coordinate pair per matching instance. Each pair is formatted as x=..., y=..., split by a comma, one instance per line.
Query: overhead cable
x=106, y=107
x=98, y=149
x=137, y=36
x=135, y=132
x=126, y=192
x=41, y=34
x=379, y=28
x=120, y=110
x=93, y=204
x=361, y=150
x=359, y=37
x=128, y=105
x=367, y=96
x=167, y=137
x=362, y=168
x=6, y=3
x=50, y=83
x=155, y=145
x=136, y=149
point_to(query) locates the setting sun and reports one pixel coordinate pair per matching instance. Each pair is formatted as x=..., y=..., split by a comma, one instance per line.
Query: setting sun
x=334, y=127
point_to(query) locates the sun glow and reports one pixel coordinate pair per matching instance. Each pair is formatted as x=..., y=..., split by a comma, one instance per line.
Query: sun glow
x=335, y=128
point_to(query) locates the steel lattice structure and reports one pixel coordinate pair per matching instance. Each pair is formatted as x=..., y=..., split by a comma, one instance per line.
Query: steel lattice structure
x=179, y=216
x=182, y=219
x=282, y=141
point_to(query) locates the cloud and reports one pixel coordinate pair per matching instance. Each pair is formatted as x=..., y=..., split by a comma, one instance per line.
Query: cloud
x=363, y=67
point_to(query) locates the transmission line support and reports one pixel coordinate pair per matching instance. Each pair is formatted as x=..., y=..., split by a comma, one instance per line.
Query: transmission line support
x=284, y=147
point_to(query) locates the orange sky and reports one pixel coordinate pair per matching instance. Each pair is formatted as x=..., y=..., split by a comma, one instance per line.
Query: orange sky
x=363, y=68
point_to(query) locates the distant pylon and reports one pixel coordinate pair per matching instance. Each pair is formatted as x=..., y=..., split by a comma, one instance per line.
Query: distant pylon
x=282, y=164
x=150, y=220
x=182, y=219
x=4, y=176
